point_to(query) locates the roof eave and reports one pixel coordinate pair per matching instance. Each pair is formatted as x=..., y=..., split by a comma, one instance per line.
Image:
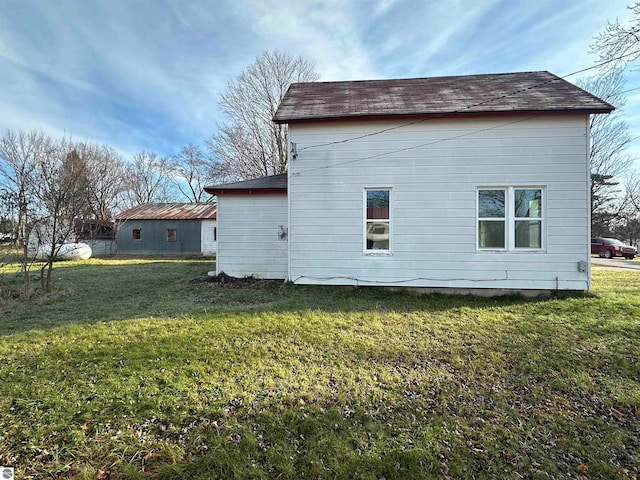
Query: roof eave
x=245, y=191
x=300, y=119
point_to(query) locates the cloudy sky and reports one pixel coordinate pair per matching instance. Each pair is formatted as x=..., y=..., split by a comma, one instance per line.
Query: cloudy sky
x=147, y=74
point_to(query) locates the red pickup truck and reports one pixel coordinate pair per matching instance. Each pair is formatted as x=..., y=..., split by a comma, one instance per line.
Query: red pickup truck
x=610, y=247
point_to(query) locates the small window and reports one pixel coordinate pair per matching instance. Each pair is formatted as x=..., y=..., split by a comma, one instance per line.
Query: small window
x=172, y=235
x=215, y=234
x=377, y=224
x=491, y=218
x=136, y=234
x=528, y=218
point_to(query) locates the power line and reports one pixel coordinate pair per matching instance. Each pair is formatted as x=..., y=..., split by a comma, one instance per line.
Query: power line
x=630, y=90
x=466, y=134
x=461, y=110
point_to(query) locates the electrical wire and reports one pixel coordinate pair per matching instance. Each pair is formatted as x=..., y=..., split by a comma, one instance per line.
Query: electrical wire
x=466, y=134
x=397, y=282
x=468, y=107
x=630, y=90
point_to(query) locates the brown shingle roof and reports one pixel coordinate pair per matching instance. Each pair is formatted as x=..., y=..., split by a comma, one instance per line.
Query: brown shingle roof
x=271, y=184
x=170, y=211
x=492, y=93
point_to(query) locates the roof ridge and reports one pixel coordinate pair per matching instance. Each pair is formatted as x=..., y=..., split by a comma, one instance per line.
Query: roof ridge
x=404, y=79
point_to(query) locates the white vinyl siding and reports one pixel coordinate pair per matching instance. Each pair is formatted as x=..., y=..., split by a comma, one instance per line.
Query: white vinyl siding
x=209, y=246
x=248, y=241
x=434, y=202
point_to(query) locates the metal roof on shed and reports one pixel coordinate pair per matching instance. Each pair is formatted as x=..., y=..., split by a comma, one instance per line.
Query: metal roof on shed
x=170, y=211
x=490, y=93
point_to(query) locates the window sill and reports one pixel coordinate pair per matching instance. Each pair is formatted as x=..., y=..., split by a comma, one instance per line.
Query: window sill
x=520, y=250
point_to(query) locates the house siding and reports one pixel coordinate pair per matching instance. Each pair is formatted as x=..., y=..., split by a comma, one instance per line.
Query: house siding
x=208, y=238
x=433, y=210
x=154, y=237
x=248, y=242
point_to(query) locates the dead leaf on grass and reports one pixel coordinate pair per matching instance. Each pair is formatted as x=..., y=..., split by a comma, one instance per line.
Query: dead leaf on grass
x=582, y=468
x=102, y=475
x=149, y=455
x=233, y=439
x=85, y=425
x=618, y=415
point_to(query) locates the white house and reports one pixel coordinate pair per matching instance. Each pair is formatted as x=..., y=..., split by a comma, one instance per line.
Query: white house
x=469, y=182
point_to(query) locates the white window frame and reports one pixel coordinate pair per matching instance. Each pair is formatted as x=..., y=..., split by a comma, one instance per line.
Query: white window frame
x=504, y=219
x=510, y=219
x=365, y=220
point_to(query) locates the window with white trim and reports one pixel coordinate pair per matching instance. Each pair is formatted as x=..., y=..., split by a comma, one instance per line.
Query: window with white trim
x=377, y=220
x=510, y=218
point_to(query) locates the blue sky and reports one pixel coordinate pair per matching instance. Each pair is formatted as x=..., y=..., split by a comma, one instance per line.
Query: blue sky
x=147, y=74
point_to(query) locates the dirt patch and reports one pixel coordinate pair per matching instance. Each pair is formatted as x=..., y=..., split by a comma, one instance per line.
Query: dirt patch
x=225, y=280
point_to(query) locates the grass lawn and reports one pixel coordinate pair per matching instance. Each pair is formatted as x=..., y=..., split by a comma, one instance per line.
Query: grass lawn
x=132, y=371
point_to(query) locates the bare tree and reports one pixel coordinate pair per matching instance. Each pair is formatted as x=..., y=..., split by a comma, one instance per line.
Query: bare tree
x=20, y=154
x=61, y=191
x=609, y=155
x=147, y=179
x=189, y=172
x=105, y=183
x=619, y=44
x=251, y=145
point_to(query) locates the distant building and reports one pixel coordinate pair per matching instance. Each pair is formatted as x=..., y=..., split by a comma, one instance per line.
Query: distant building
x=168, y=228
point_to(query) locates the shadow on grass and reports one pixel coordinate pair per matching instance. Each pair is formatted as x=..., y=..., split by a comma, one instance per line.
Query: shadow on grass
x=89, y=293
x=375, y=393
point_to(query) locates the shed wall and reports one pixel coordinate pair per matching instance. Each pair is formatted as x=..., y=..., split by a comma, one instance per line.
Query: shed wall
x=434, y=171
x=248, y=241
x=209, y=229
x=154, y=237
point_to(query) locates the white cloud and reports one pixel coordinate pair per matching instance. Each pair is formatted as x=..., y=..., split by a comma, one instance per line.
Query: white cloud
x=325, y=31
x=147, y=74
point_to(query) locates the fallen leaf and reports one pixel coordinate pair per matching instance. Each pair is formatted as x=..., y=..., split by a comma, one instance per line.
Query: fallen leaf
x=85, y=425
x=102, y=475
x=149, y=455
x=233, y=439
x=618, y=415
x=582, y=467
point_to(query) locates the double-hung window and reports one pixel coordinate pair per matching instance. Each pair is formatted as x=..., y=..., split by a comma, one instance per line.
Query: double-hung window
x=510, y=218
x=377, y=221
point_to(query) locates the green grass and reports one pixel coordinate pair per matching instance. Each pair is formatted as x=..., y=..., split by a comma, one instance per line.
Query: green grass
x=132, y=371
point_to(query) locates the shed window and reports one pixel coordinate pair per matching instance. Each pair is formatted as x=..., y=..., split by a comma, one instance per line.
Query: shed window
x=377, y=221
x=172, y=234
x=136, y=234
x=510, y=218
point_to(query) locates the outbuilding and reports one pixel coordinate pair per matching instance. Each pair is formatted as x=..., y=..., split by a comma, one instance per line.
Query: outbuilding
x=168, y=228
x=253, y=231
